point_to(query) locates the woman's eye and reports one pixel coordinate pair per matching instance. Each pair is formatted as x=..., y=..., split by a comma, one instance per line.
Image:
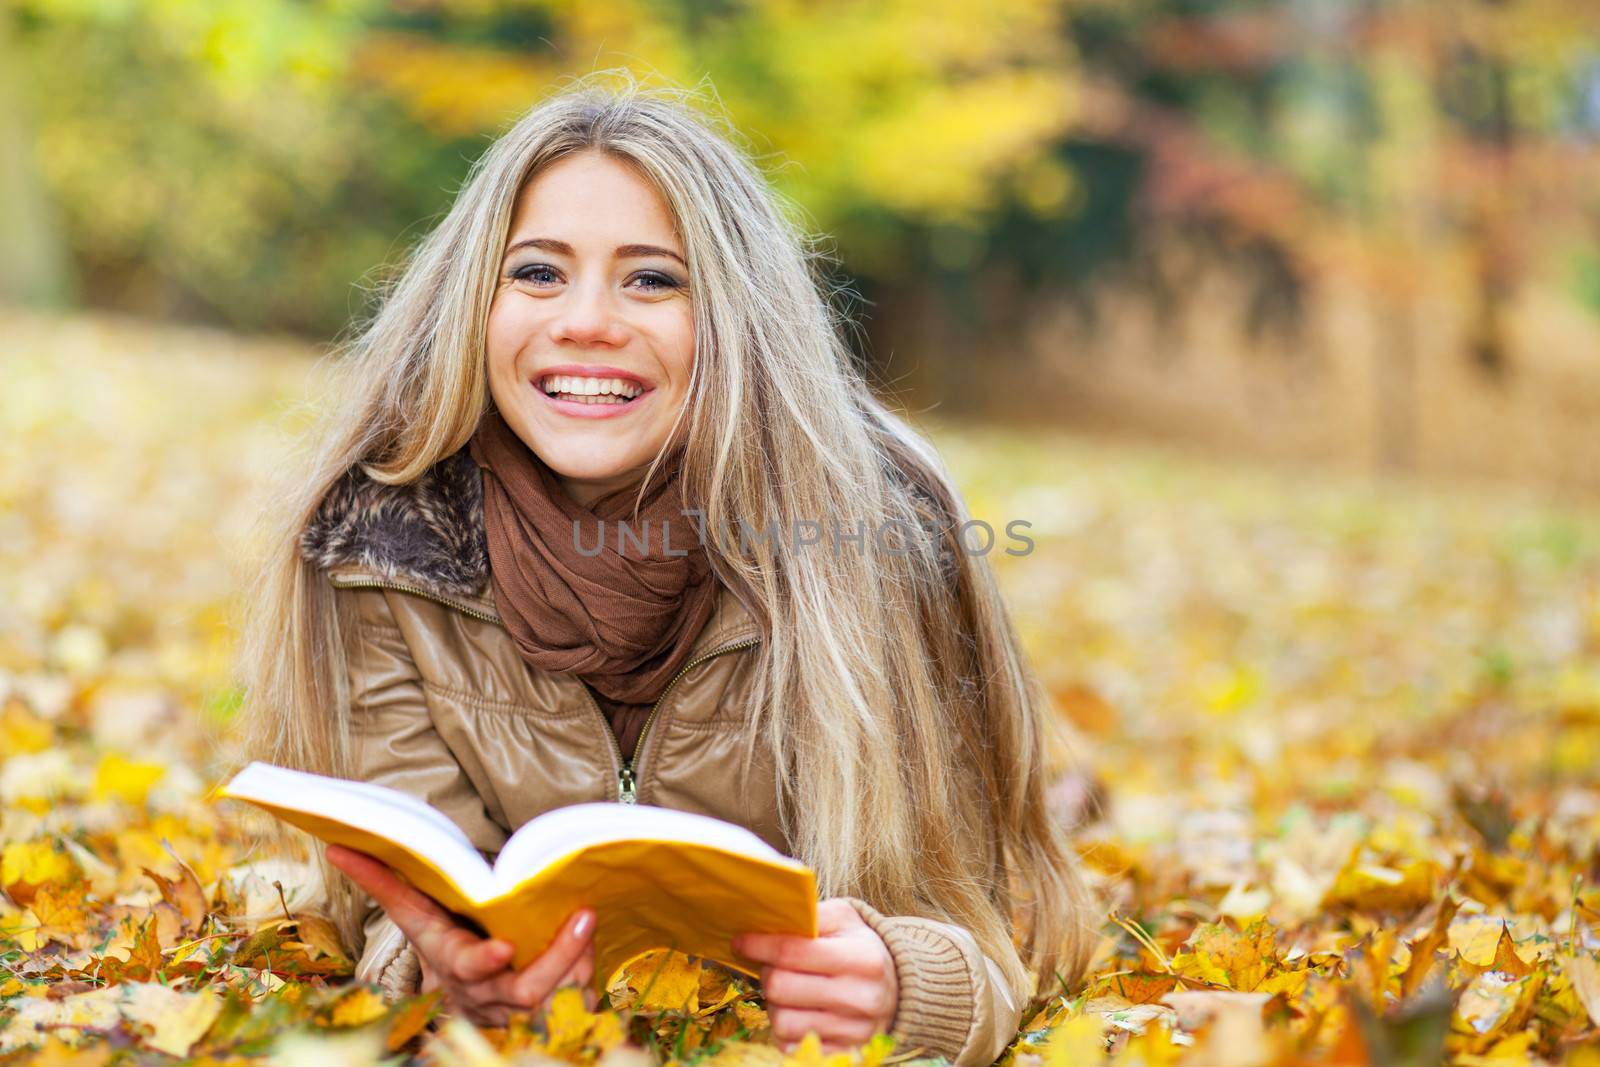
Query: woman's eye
x=544, y=274
x=658, y=281
x=533, y=272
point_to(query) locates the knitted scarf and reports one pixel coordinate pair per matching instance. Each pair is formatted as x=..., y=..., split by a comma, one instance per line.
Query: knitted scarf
x=622, y=619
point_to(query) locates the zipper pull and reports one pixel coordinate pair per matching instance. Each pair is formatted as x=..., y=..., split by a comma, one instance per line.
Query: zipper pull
x=625, y=784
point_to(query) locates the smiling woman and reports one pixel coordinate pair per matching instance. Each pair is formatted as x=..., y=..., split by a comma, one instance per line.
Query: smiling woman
x=593, y=270
x=617, y=315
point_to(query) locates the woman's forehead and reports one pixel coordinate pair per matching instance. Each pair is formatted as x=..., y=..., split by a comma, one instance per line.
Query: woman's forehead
x=593, y=204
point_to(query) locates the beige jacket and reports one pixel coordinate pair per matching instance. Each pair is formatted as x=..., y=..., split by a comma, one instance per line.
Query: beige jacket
x=445, y=708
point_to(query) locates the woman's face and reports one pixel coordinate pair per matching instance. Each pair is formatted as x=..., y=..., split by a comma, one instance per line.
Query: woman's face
x=591, y=332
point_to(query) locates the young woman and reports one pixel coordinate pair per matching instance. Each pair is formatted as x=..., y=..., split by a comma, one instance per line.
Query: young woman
x=617, y=322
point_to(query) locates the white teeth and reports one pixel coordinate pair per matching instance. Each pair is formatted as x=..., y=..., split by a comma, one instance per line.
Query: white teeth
x=575, y=386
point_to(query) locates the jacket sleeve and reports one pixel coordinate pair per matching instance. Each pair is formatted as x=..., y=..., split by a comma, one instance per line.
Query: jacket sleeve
x=393, y=743
x=954, y=1002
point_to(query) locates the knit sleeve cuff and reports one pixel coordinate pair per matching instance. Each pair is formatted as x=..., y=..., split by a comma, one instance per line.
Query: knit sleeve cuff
x=937, y=1000
x=401, y=976
x=389, y=961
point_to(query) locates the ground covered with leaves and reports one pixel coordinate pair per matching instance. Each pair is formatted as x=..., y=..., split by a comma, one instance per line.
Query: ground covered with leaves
x=1346, y=733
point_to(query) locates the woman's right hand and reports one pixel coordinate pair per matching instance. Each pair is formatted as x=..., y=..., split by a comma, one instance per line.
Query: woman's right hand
x=474, y=972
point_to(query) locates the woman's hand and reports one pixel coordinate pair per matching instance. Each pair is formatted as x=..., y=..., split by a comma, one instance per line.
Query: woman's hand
x=474, y=972
x=840, y=983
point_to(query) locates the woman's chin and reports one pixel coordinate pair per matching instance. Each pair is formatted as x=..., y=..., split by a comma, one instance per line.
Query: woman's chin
x=597, y=452
x=596, y=472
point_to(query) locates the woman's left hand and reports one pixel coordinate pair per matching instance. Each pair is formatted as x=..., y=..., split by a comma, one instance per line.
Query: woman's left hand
x=840, y=983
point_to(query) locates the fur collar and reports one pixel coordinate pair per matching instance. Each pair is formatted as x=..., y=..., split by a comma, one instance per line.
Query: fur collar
x=428, y=532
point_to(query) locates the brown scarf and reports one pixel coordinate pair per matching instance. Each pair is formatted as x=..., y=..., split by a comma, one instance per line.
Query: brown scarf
x=622, y=621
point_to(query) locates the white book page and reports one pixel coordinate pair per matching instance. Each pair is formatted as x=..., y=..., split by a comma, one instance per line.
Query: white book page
x=379, y=810
x=561, y=831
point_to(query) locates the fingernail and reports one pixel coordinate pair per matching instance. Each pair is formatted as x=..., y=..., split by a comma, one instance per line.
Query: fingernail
x=582, y=926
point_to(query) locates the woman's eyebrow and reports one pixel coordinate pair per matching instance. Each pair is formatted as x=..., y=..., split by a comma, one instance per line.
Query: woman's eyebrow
x=561, y=248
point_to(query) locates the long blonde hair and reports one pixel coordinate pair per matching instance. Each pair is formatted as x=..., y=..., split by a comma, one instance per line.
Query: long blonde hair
x=914, y=741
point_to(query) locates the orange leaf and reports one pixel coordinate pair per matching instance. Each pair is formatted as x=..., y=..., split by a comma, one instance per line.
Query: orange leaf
x=1424, y=948
x=184, y=894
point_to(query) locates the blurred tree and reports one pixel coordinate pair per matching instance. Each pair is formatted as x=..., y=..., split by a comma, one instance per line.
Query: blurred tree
x=1414, y=147
x=247, y=160
x=34, y=266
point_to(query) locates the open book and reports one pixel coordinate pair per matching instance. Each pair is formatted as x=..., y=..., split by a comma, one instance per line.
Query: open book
x=655, y=877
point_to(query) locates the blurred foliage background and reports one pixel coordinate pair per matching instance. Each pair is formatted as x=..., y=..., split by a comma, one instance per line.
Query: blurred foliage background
x=1360, y=231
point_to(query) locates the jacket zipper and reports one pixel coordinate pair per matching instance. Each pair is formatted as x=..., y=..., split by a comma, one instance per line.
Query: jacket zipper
x=626, y=778
x=373, y=583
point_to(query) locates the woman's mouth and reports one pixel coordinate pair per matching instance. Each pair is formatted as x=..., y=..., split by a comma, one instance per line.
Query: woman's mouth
x=590, y=394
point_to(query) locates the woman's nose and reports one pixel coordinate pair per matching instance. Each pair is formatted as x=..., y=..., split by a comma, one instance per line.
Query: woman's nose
x=588, y=315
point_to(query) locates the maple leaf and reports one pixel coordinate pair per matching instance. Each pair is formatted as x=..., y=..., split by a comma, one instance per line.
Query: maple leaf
x=1223, y=956
x=183, y=893
x=57, y=914
x=1424, y=949
x=1486, y=944
x=28, y=866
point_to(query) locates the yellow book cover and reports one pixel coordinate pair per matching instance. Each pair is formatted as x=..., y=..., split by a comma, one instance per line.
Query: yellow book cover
x=655, y=877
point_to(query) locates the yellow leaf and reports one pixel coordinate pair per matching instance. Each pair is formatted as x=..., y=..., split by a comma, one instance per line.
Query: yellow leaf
x=176, y=1020
x=1152, y=1048
x=1374, y=887
x=1290, y=983
x=93, y=1010
x=58, y=914
x=1424, y=947
x=607, y=1032
x=875, y=1051
x=809, y=1054
x=751, y=1016
x=1486, y=944
x=674, y=984
x=119, y=778
x=1584, y=974
x=1080, y=1039
x=1227, y=690
x=25, y=866
x=1506, y=958
x=568, y=1020
x=1584, y=1056
x=717, y=989
x=22, y=732
x=27, y=931
x=322, y=942
x=1476, y=937
x=357, y=1008
x=1219, y=955
x=410, y=1020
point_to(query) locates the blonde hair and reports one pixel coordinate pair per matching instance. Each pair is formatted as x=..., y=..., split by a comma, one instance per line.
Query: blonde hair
x=914, y=742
